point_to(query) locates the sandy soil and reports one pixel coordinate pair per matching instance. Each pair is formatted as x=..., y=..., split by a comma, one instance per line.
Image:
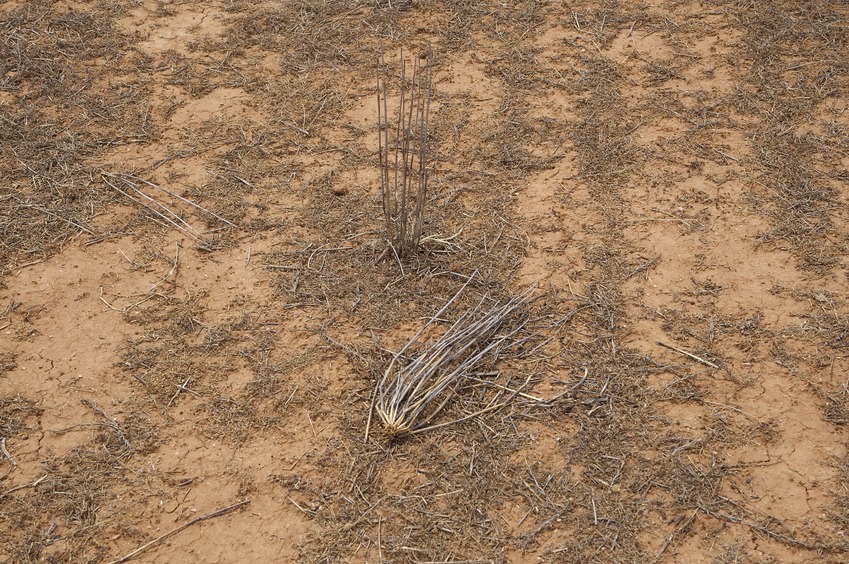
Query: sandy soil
x=671, y=177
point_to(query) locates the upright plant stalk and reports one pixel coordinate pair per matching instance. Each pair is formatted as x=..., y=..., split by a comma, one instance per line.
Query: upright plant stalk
x=403, y=189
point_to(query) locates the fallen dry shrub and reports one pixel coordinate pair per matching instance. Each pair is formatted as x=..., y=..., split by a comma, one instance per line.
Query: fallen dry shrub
x=408, y=398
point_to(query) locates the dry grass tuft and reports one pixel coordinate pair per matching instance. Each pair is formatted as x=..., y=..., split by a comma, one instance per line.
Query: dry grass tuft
x=408, y=398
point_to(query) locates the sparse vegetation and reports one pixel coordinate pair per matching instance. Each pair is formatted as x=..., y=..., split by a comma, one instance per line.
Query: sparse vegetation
x=668, y=173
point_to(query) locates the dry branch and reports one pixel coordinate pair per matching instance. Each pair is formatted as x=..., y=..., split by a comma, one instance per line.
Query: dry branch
x=689, y=355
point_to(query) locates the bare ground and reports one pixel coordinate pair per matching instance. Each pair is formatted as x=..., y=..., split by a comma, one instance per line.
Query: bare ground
x=671, y=176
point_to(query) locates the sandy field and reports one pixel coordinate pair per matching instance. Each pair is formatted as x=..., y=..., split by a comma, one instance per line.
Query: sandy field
x=197, y=294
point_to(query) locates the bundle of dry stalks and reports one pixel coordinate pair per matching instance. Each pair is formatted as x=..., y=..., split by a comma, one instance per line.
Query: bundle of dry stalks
x=403, y=153
x=409, y=397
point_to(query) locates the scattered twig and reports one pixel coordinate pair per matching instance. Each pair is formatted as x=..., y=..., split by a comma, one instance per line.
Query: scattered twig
x=152, y=291
x=158, y=209
x=186, y=525
x=173, y=269
x=379, y=545
x=23, y=486
x=303, y=132
x=132, y=190
x=642, y=268
x=786, y=539
x=595, y=513
x=110, y=306
x=347, y=348
x=182, y=387
x=691, y=355
x=292, y=467
x=303, y=510
x=182, y=199
x=59, y=217
x=114, y=425
x=727, y=156
x=678, y=530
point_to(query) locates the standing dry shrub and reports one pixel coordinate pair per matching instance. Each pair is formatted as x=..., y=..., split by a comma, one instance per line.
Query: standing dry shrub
x=402, y=144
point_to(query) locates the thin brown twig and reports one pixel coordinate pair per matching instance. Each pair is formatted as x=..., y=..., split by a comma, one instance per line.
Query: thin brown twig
x=23, y=486
x=678, y=530
x=689, y=354
x=160, y=538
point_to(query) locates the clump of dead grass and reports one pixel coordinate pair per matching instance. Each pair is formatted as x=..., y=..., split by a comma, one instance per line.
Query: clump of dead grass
x=408, y=397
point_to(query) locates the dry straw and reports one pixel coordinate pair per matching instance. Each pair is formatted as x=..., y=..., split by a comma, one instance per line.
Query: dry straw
x=131, y=187
x=409, y=396
x=402, y=146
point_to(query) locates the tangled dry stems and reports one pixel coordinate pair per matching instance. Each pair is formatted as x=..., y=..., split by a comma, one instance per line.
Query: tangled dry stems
x=410, y=395
x=131, y=187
